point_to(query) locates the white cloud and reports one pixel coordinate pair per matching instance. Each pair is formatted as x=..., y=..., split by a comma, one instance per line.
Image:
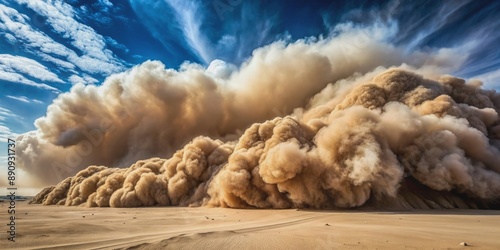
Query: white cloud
x=58, y=62
x=18, y=69
x=112, y=42
x=189, y=17
x=91, y=54
x=10, y=38
x=106, y=3
x=220, y=69
x=16, y=26
x=491, y=79
x=96, y=57
x=28, y=67
x=19, y=98
x=24, y=99
x=86, y=79
x=6, y=113
x=15, y=77
x=5, y=132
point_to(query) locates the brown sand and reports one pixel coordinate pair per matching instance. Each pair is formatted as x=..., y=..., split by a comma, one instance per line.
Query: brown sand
x=59, y=227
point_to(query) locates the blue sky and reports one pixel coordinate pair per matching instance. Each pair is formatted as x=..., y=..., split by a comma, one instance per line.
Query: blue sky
x=48, y=46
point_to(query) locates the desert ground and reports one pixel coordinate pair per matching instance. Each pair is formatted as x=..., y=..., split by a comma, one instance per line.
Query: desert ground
x=59, y=227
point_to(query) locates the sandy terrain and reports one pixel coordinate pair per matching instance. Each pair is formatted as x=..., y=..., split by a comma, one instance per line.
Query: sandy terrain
x=58, y=227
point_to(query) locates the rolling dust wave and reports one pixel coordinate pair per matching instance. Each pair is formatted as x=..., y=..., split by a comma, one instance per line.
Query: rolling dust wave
x=321, y=123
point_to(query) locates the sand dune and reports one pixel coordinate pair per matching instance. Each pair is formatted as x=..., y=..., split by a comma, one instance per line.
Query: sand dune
x=61, y=227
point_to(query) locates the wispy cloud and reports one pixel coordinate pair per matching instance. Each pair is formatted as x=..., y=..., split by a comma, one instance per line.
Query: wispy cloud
x=24, y=99
x=96, y=58
x=17, y=26
x=113, y=43
x=88, y=53
x=255, y=27
x=19, y=98
x=106, y=3
x=86, y=79
x=15, y=77
x=197, y=27
x=27, y=67
x=491, y=79
x=5, y=132
x=102, y=12
x=17, y=69
x=190, y=17
x=6, y=113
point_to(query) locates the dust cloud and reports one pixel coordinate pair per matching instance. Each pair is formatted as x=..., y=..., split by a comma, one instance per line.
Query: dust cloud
x=405, y=136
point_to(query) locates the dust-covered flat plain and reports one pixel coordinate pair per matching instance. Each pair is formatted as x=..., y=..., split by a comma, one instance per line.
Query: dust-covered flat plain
x=60, y=227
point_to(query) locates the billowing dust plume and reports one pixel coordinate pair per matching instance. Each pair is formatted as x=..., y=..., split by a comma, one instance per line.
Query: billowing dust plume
x=322, y=122
x=390, y=137
x=150, y=111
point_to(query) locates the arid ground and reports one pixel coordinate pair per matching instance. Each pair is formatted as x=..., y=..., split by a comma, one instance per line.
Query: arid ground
x=59, y=227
